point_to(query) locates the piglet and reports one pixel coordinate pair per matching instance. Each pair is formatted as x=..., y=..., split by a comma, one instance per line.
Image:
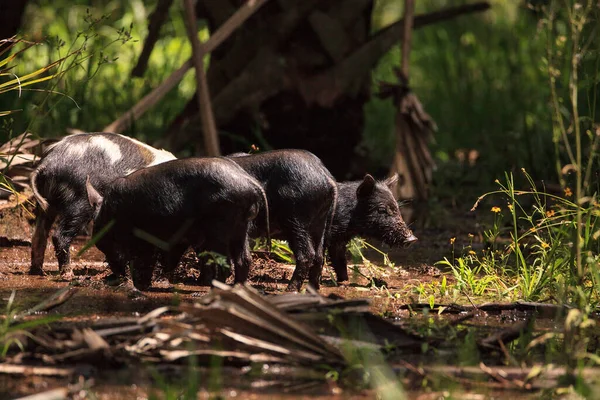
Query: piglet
x=365, y=208
x=59, y=186
x=160, y=211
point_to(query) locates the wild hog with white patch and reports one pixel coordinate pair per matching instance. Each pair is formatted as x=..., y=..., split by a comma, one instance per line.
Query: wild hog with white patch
x=59, y=186
x=159, y=211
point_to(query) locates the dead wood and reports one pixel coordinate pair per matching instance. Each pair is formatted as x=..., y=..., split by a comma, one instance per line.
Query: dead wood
x=58, y=298
x=504, y=336
x=535, y=377
x=331, y=34
x=407, y=28
x=250, y=72
x=155, y=22
x=542, y=309
x=15, y=369
x=209, y=129
x=54, y=394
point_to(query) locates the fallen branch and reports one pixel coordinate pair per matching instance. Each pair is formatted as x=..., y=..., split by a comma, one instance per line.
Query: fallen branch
x=15, y=369
x=543, y=309
x=534, y=378
x=53, y=301
x=504, y=336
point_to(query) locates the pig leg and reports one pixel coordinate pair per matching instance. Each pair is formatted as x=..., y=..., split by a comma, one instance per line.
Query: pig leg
x=171, y=258
x=304, y=252
x=142, y=267
x=242, y=259
x=43, y=223
x=337, y=255
x=68, y=227
x=316, y=269
x=117, y=264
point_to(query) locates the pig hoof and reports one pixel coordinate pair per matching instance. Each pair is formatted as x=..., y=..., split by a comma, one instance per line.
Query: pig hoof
x=36, y=271
x=294, y=288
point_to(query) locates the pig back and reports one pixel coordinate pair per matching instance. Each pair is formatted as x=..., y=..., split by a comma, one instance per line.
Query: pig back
x=103, y=157
x=196, y=188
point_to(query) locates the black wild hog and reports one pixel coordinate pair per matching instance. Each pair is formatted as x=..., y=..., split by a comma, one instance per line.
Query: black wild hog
x=160, y=211
x=59, y=186
x=301, y=194
x=365, y=208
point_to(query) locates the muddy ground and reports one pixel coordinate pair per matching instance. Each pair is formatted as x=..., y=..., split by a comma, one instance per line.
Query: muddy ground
x=96, y=301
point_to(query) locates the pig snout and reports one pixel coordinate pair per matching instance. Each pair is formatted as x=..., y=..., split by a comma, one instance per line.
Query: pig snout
x=410, y=240
x=397, y=234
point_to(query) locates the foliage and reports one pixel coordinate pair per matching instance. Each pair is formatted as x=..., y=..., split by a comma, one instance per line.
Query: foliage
x=109, y=35
x=553, y=249
x=13, y=330
x=481, y=78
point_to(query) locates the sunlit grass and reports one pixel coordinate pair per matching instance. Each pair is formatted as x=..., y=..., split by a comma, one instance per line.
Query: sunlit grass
x=102, y=88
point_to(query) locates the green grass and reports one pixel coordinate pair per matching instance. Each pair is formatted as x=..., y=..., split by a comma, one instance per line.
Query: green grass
x=483, y=78
x=552, y=247
x=110, y=36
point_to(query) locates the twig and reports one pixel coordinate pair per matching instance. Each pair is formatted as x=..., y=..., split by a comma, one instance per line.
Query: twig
x=54, y=394
x=14, y=369
x=53, y=301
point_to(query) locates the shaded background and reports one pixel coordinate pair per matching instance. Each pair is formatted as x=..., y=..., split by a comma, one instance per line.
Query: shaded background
x=483, y=77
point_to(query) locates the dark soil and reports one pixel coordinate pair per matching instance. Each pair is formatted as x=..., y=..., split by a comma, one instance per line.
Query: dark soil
x=95, y=301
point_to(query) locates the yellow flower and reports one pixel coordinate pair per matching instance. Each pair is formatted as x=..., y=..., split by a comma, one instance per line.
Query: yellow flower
x=532, y=229
x=568, y=192
x=510, y=207
x=545, y=245
x=496, y=209
x=472, y=252
x=550, y=213
x=497, y=181
x=452, y=240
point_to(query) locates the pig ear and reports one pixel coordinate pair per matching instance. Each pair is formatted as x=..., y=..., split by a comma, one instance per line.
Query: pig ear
x=94, y=197
x=392, y=181
x=367, y=186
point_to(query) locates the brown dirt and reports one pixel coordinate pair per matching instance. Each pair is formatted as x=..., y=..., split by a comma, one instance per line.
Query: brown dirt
x=95, y=301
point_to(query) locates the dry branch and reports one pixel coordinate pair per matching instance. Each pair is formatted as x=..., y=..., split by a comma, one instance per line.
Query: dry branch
x=534, y=378
x=542, y=309
x=16, y=369
x=209, y=128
